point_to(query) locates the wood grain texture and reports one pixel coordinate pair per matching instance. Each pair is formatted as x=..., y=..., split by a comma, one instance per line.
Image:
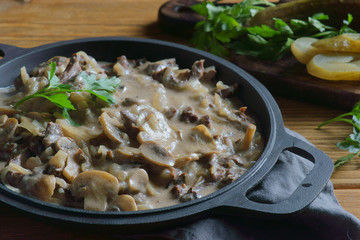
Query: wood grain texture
x=43, y=21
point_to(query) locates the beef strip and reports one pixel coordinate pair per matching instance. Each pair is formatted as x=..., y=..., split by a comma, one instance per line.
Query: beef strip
x=52, y=134
x=170, y=113
x=154, y=68
x=7, y=130
x=192, y=194
x=36, y=147
x=220, y=170
x=130, y=123
x=205, y=120
x=188, y=116
x=72, y=69
x=229, y=91
x=178, y=190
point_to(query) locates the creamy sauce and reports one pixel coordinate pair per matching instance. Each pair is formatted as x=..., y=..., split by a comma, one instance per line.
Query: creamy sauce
x=172, y=135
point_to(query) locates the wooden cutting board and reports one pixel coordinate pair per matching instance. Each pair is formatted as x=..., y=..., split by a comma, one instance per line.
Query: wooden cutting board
x=287, y=76
x=290, y=78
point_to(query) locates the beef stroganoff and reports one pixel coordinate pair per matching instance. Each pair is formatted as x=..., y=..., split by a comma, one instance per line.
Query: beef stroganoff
x=124, y=136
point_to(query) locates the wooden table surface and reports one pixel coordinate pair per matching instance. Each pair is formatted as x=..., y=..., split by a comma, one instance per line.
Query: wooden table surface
x=42, y=21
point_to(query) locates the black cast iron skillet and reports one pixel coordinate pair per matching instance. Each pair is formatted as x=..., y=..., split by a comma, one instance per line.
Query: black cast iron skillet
x=230, y=199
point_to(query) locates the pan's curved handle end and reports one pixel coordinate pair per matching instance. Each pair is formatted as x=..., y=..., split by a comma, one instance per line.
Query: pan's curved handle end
x=305, y=193
x=8, y=52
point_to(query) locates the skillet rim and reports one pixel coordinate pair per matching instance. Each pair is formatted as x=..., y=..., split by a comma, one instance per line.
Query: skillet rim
x=276, y=130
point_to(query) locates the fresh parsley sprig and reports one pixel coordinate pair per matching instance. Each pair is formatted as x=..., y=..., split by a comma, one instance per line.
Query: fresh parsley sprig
x=224, y=29
x=55, y=92
x=223, y=23
x=351, y=143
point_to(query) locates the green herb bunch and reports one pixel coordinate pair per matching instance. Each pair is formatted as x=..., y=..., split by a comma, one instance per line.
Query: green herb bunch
x=224, y=29
x=56, y=92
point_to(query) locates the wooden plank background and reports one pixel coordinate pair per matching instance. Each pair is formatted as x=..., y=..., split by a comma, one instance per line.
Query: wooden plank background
x=42, y=21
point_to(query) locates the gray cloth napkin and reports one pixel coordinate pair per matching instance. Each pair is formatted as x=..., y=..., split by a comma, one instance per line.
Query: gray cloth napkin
x=324, y=218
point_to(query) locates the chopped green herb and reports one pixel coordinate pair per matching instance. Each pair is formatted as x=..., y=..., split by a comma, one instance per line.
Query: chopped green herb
x=55, y=92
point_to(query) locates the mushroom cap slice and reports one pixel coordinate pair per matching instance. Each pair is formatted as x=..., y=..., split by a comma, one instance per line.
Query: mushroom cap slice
x=44, y=187
x=96, y=187
x=125, y=203
x=138, y=180
x=111, y=129
x=58, y=161
x=156, y=154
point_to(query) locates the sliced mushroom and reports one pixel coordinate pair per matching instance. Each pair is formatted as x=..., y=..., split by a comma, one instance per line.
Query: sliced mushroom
x=71, y=169
x=39, y=116
x=128, y=102
x=58, y=161
x=152, y=190
x=35, y=127
x=125, y=152
x=156, y=154
x=66, y=144
x=156, y=129
x=102, y=155
x=61, y=183
x=146, y=206
x=8, y=111
x=138, y=180
x=165, y=176
x=41, y=187
x=33, y=162
x=111, y=129
x=114, y=169
x=120, y=69
x=3, y=119
x=125, y=203
x=96, y=187
x=83, y=132
x=69, y=146
x=12, y=175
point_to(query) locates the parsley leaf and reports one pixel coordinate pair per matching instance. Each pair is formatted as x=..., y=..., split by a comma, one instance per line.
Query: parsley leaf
x=351, y=143
x=61, y=100
x=55, y=92
x=101, y=88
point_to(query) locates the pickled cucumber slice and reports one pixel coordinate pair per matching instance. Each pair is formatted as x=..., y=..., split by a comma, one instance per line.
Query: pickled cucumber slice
x=335, y=66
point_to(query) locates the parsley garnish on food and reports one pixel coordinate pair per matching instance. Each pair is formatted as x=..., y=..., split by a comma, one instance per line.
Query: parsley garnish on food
x=55, y=92
x=351, y=143
x=224, y=29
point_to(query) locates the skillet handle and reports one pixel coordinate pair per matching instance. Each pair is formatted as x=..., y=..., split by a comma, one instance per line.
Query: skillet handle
x=8, y=52
x=304, y=194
